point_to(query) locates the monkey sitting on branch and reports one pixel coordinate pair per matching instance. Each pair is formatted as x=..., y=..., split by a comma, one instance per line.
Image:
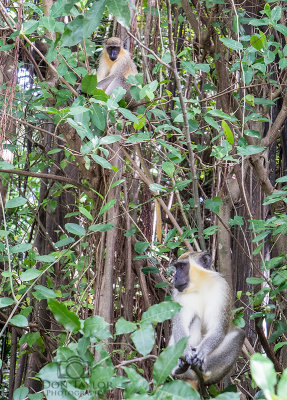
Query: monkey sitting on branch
x=115, y=66
x=214, y=343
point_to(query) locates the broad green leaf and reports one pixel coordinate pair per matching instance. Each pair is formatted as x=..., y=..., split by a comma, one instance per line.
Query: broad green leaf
x=143, y=339
x=46, y=259
x=141, y=247
x=282, y=385
x=89, y=83
x=168, y=168
x=223, y=115
x=20, y=248
x=29, y=27
x=231, y=43
x=16, y=202
x=20, y=393
x=177, y=390
x=156, y=187
x=120, y=9
x=5, y=302
x=128, y=115
x=99, y=116
x=276, y=14
x=203, y=67
x=167, y=360
x=281, y=28
x=75, y=229
x=213, y=204
x=107, y=206
x=109, y=139
x=249, y=150
x=86, y=213
x=30, y=274
x=67, y=318
x=227, y=132
x=123, y=326
x=4, y=233
x=254, y=280
x=84, y=25
x=19, y=320
x=43, y=292
x=228, y=396
x=257, y=42
x=102, y=161
x=97, y=327
x=64, y=242
x=160, y=312
x=263, y=373
x=35, y=396
x=101, y=227
x=6, y=165
x=136, y=385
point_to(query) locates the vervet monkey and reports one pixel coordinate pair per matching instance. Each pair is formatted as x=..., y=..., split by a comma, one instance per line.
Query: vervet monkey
x=115, y=66
x=214, y=342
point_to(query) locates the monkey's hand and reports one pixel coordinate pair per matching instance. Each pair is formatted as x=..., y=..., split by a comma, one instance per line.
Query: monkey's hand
x=194, y=359
x=182, y=366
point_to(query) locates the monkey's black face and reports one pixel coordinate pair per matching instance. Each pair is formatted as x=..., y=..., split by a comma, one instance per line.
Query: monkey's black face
x=113, y=52
x=181, y=277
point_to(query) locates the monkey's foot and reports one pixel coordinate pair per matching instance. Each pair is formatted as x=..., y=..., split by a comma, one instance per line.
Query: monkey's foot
x=194, y=360
x=182, y=367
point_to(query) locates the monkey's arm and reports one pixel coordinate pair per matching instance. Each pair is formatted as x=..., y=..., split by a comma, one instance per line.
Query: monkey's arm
x=104, y=83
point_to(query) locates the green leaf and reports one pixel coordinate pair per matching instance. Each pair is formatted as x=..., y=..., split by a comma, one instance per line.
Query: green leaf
x=16, y=202
x=20, y=248
x=282, y=385
x=29, y=27
x=167, y=360
x=6, y=165
x=20, y=393
x=160, y=312
x=67, y=318
x=276, y=14
x=96, y=327
x=86, y=213
x=4, y=233
x=168, y=168
x=30, y=274
x=43, y=292
x=143, y=339
x=120, y=9
x=231, y=43
x=228, y=396
x=263, y=373
x=99, y=116
x=89, y=83
x=257, y=42
x=101, y=227
x=83, y=26
x=156, y=187
x=19, y=320
x=254, y=280
x=128, y=115
x=123, y=326
x=228, y=133
x=141, y=247
x=46, y=259
x=110, y=139
x=64, y=242
x=213, y=204
x=102, y=161
x=75, y=229
x=249, y=150
x=281, y=28
x=179, y=390
x=5, y=302
x=107, y=206
x=137, y=385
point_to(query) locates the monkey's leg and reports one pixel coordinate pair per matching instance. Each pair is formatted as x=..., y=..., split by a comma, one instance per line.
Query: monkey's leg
x=222, y=359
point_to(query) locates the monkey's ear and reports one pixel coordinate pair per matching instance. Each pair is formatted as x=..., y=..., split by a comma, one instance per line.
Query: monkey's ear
x=206, y=260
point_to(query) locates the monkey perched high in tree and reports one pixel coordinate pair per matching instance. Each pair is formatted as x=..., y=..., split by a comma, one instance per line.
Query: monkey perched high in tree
x=214, y=343
x=115, y=66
